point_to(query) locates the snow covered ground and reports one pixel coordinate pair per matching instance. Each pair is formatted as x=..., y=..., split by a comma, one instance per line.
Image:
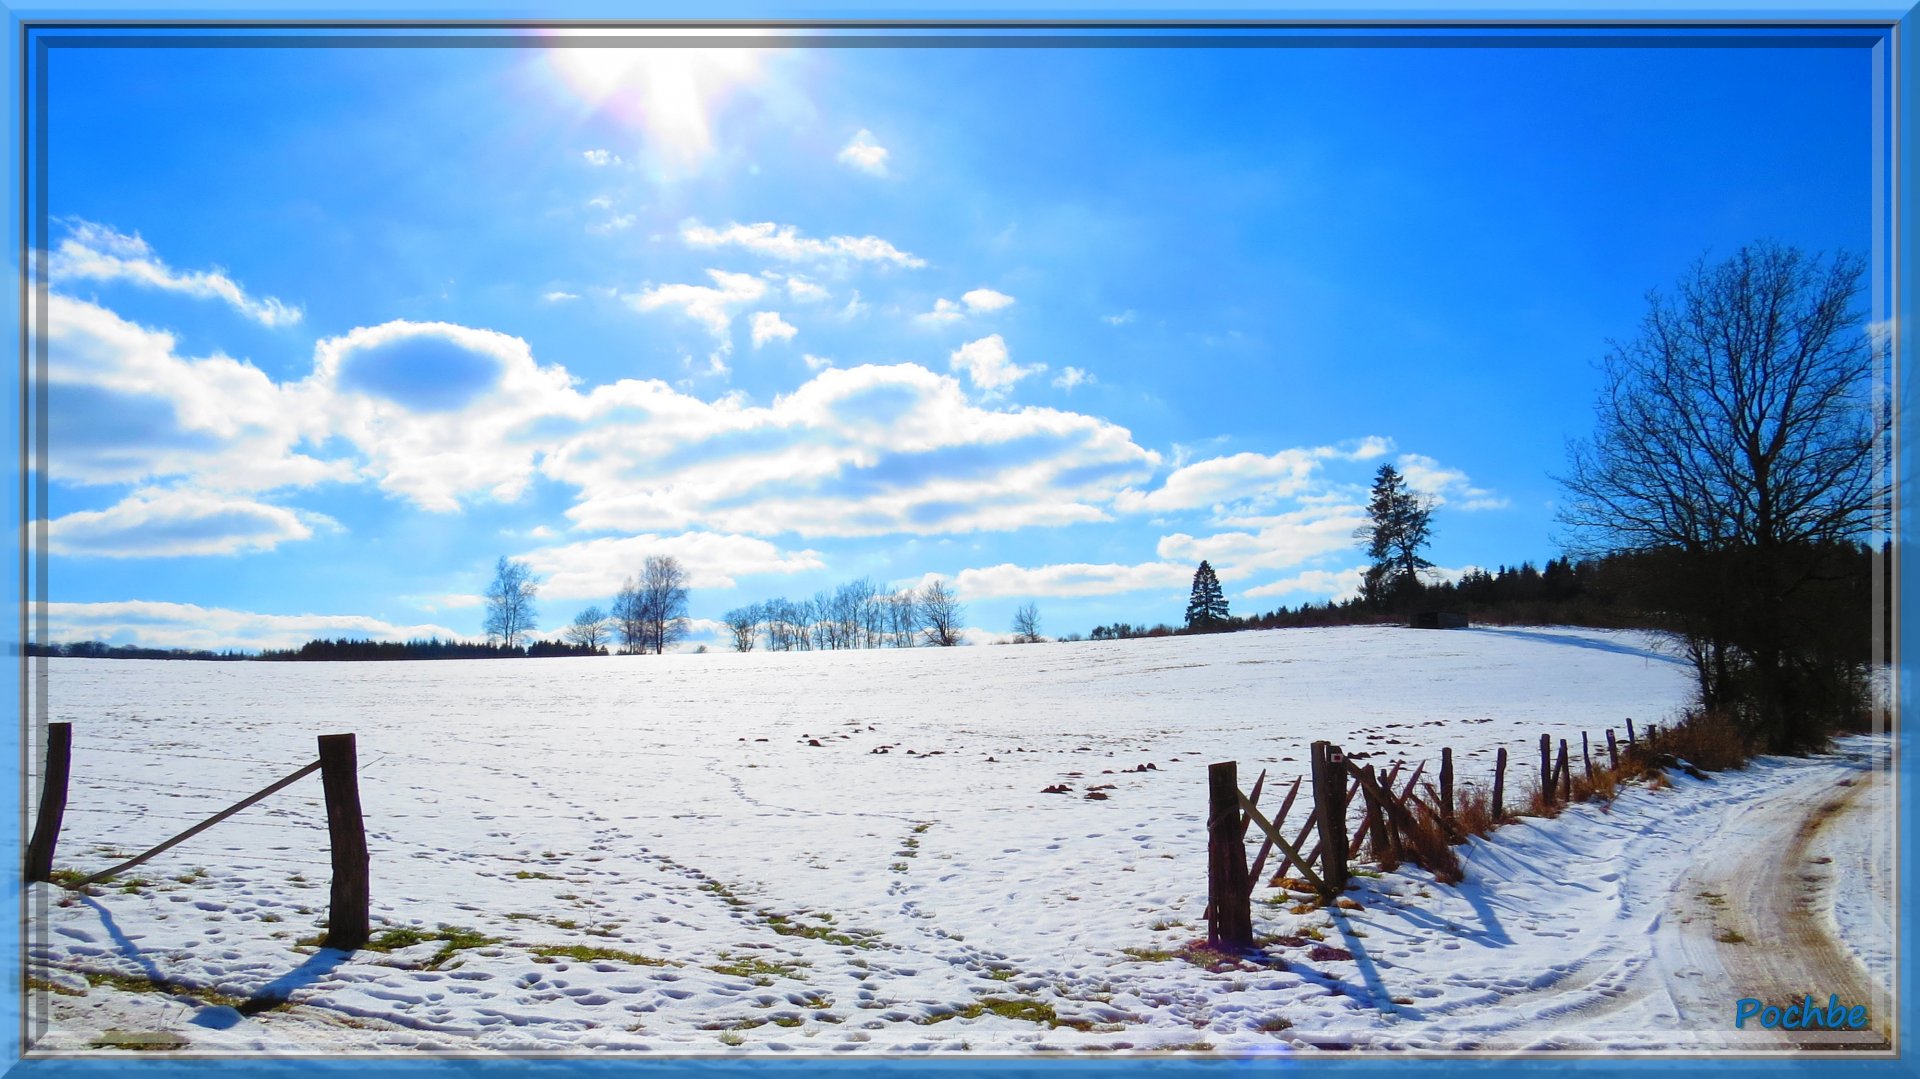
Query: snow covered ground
x=849, y=852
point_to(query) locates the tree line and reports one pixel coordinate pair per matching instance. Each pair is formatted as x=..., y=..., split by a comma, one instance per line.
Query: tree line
x=857, y=614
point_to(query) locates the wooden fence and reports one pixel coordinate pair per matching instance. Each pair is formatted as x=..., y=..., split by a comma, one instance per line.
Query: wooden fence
x=347, y=915
x=1388, y=818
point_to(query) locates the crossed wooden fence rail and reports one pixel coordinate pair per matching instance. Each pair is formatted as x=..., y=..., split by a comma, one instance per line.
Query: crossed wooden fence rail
x=347, y=914
x=1387, y=820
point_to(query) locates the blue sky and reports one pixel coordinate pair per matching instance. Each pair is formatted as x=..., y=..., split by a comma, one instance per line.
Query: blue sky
x=332, y=329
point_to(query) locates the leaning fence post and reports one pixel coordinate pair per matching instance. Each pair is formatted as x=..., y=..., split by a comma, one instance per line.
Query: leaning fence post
x=1499, y=783
x=1446, y=788
x=1546, y=768
x=53, y=802
x=1229, y=893
x=1566, y=775
x=1586, y=756
x=1330, y=809
x=1630, y=739
x=347, y=833
x=1613, y=751
x=1384, y=845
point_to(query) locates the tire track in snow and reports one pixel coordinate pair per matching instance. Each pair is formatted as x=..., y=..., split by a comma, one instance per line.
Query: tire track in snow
x=1744, y=923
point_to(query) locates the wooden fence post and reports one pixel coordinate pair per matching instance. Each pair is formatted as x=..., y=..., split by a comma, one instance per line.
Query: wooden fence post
x=1630, y=739
x=1587, y=756
x=1329, y=773
x=1499, y=783
x=1566, y=775
x=1613, y=751
x=1385, y=844
x=347, y=916
x=1653, y=738
x=1446, y=788
x=1546, y=768
x=53, y=802
x=1229, y=894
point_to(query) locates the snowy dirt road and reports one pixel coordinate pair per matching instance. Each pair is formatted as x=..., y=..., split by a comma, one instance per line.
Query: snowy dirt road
x=1754, y=913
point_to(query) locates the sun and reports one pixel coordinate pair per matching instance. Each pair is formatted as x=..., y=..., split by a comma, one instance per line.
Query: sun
x=667, y=91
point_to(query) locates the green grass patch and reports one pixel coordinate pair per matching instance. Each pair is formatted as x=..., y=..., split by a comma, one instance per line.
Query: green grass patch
x=1022, y=1008
x=41, y=985
x=586, y=953
x=787, y=927
x=527, y=874
x=760, y=970
x=453, y=940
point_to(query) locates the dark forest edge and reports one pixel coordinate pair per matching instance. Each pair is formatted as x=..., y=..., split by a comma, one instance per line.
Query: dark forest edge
x=1620, y=591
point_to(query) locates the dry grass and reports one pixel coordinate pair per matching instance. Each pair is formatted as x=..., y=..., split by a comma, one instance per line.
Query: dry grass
x=1473, y=810
x=1707, y=740
x=1428, y=845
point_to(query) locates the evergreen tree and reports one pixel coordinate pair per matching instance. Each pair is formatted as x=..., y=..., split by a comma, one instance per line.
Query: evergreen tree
x=1399, y=524
x=1207, y=607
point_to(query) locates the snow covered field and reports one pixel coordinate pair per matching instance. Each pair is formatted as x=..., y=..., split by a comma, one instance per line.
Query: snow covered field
x=653, y=853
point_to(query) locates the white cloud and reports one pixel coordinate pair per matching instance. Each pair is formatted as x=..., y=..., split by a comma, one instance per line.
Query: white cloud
x=1219, y=480
x=125, y=407
x=446, y=601
x=1281, y=541
x=557, y=296
x=976, y=301
x=152, y=523
x=442, y=415
x=785, y=242
x=1120, y=319
x=600, y=158
x=865, y=154
x=1255, y=478
x=1070, y=377
x=868, y=450
x=988, y=364
x=1446, y=486
x=1314, y=584
x=985, y=299
x=1071, y=579
x=594, y=569
x=187, y=625
x=805, y=291
x=769, y=326
x=616, y=223
x=944, y=311
x=816, y=363
x=99, y=253
x=439, y=411
x=711, y=307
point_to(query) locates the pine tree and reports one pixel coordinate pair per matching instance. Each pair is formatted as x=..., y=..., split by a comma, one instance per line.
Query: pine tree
x=1400, y=523
x=1207, y=607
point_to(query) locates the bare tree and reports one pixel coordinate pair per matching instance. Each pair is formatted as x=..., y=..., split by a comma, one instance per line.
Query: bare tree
x=940, y=614
x=510, y=613
x=744, y=624
x=1737, y=448
x=590, y=628
x=663, y=602
x=903, y=618
x=630, y=618
x=1026, y=624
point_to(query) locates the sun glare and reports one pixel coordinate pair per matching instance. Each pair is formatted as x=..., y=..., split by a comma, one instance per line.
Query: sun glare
x=669, y=93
